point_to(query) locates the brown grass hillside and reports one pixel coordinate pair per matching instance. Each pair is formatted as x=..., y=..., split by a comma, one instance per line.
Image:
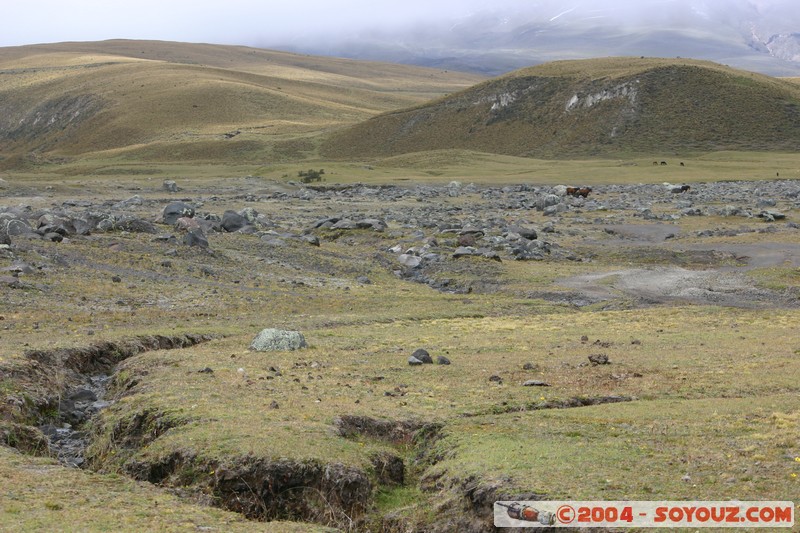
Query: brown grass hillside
x=593, y=107
x=163, y=100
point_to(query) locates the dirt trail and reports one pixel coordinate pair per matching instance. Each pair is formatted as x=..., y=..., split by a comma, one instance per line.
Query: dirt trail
x=673, y=284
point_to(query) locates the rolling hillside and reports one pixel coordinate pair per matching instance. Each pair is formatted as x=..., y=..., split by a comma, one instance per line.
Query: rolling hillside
x=593, y=107
x=162, y=100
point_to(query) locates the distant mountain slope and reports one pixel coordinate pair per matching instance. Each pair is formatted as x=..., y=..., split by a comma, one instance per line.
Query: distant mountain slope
x=593, y=107
x=758, y=35
x=191, y=101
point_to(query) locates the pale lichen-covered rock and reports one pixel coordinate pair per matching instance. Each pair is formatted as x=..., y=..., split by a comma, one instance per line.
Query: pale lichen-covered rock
x=270, y=339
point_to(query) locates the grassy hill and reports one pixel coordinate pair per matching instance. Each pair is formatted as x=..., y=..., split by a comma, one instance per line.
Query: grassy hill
x=593, y=107
x=176, y=101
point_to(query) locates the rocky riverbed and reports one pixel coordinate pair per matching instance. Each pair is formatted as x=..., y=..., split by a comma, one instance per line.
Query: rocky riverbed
x=434, y=234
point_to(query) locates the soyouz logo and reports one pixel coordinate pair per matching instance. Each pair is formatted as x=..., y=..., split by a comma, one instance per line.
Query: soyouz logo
x=748, y=514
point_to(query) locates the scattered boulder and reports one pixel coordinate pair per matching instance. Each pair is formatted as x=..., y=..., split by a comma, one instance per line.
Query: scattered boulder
x=195, y=238
x=313, y=240
x=271, y=339
x=170, y=186
x=250, y=214
x=547, y=200
x=176, y=210
x=454, y=189
x=135, y=225
x=325, y=223
x=17, y=227
x=535, y=383
x=133, y=201
x=11, y=282
x=524, y=232
x=771, y=216
x=732, y=211
x=187, y=224
x=598, y=359
x=464, y=251
x=442, y=360
x=423, y=355
x=345, y=224
x=527, y=250
x=409, y=261
x=233, y=221
x=413, y=361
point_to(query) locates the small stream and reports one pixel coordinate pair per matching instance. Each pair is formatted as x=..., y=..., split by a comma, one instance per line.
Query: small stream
x=68, y=436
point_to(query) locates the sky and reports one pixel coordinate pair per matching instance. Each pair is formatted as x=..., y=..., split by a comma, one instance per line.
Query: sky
x=293, y=22
x=214, y=21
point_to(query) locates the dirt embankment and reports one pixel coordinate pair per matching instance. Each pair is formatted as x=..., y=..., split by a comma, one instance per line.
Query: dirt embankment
x=47, y=382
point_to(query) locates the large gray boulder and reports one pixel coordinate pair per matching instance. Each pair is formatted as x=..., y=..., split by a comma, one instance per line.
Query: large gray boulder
x=233, y=221
x=176, y=210
x=278, y=339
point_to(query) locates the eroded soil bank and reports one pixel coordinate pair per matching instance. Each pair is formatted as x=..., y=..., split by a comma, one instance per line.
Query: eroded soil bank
x=65, y=388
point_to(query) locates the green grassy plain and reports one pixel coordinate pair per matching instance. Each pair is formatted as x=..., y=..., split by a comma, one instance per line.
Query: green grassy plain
x=715, y=406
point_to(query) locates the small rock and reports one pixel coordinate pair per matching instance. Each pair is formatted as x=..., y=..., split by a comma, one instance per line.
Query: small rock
x=495, y=379
x=525, y=233
x=413, y=361
x=598, y=359
x=442, y=360
x=83, y=395
x=535, y=383
x=313, y=240
x=187, y=224
x=170, y=186
x=409, y=261
x=529, y=366
x=273, y=405
x=116, y=279
x=206, y=370
x=345, y=224
x=422, y=355
x=195, y=238
x=463, y=251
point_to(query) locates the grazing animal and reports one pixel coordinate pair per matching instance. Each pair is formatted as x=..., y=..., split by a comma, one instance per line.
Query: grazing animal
x=682, y=164
x=663, y=163
x=655, y=163
x=579, y=191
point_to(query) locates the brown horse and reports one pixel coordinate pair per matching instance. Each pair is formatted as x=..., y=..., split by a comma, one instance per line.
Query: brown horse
x=579, y=191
